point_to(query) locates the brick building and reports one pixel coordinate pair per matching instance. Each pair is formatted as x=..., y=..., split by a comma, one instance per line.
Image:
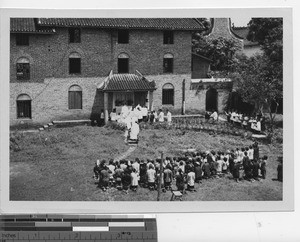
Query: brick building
x=72, y=68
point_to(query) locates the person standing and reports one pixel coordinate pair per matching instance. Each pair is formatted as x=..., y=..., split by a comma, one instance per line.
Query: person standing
x=180, y=181
x=134, y=131
x=161, y=116
x=169, y=117
x=168, y=176
x=151, y=177
x=134, y=179
x=191, y=180
x=263, y=167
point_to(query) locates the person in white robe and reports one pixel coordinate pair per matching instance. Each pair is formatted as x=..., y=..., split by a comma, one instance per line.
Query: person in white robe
x=135, y=130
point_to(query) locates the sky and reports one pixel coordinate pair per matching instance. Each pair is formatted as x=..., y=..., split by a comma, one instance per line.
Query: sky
x=240, y=21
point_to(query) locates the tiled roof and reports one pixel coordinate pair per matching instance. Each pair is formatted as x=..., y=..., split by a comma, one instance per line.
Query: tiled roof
x=126, y=82
x=242, y=32
x=137, y=23
x=27, y=25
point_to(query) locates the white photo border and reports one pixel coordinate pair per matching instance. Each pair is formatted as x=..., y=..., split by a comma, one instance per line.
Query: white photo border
x=287, y=204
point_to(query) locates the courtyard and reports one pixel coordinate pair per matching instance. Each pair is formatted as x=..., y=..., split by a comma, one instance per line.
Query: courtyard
x=57, y=165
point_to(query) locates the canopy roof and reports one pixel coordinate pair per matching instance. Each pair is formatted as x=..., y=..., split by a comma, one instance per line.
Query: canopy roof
x=126, y=82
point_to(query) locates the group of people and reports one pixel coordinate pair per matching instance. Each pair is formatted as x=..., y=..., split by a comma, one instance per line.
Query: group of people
x=139, y=113
x=181, y=173
x=256, y=124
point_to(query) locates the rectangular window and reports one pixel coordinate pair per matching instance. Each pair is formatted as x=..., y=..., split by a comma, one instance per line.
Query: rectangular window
x=123, y=65
x=168, y=37
x=168, y=97
x=23, y=71
x=74, y=35
x=24, y=109
x=22, y=39
x=74, y=65
x=123, y=36
x=75, y=100
x=168, y=65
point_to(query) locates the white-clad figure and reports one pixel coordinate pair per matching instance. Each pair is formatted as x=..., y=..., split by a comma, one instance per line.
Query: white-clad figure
x=169, y=117
x=135, y=129
x=124, y=111
x=161, y=116
x=127, y=121
x=214, y=116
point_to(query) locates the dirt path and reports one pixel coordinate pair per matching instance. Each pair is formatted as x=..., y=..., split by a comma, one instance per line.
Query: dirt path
x=125, y=154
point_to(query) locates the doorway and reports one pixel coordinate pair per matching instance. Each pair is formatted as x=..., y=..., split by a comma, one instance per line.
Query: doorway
x=211, y=101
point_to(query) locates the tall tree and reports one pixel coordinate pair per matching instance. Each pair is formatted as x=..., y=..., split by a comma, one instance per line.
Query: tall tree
x=268, y=32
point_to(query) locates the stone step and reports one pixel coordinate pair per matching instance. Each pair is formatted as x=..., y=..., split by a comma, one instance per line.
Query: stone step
x=41, y=129
x=46, y=126
x=50, y=124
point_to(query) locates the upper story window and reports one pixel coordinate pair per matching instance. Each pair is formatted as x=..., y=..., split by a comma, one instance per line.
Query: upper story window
x=23, y=69
x=123, y=63
x=168, y=37
x=22, y=39
x=123, y=36
x=74, y=35
x=168, y=63
x=74, y=63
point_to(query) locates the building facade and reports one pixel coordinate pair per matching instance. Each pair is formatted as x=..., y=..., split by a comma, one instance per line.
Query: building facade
x=61, y=69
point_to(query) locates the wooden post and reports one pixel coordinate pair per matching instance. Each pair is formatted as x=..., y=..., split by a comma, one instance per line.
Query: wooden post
x=150, y=100
x=183, y=97
x=105, y=107
x=160, y=175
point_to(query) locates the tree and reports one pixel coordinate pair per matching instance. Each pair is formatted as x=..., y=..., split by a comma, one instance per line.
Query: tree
x=268, y=33
x=259, y=81
x=220, y=50
x=261, y=77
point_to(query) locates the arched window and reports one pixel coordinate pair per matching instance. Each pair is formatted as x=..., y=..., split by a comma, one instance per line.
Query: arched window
x=123, y=63
x=75, y=97
x=168, y=63
x=23, y=106
x=23, y=69
x=168, y=94
x=74, y=63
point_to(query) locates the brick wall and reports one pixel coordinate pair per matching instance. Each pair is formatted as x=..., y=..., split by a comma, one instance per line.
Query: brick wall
x=50, y=99
x=195, y=100
x=99, y=50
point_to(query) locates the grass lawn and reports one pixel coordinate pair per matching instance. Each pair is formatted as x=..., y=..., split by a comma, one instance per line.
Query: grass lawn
x=57, y=165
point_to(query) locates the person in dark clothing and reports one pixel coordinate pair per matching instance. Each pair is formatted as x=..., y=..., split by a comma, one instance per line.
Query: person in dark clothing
x=180, y=181
x=126, y=180
x=96, y=170
x=263, y=167
x=104, y=178
x=198, y=172
x=236, y=171
x=143, y=174
x=247, y=166
x=118, y=176
x=231, y=162
x=280, y=169
x=255, y=151
x=255, y=170
x=151, y=117
x=206, y=170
